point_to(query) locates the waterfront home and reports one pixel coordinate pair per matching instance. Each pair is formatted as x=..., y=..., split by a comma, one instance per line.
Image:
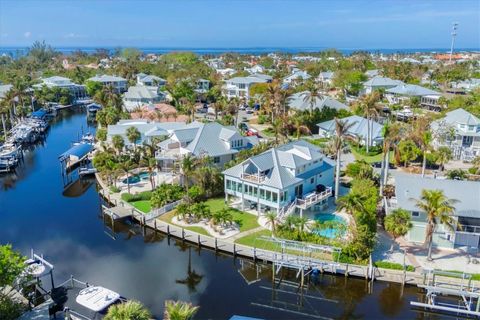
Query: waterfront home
x=150, y=80
x=294, y=175
x=148, y=130
x=358, y=130
x=239, y=87
x=460, y=131
x=379, y=83
x=77, y=91
x=298, y=101
x=140, y=95
x=119, y=83
x=467, y=210
x=429, y=99
x=296, y=77
x=326, y=78
x=220, y=143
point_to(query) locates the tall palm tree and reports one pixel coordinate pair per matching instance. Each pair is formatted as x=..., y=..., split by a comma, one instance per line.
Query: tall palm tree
x=311, y=95
x=133, y=135
x=351, y=203
x=179, y=310
x=341, y=130
x=444, y=156
x=271, y=220
x=118, y=143
x=193, y=279
x=151, y=164
x=369, y=107
x=438, y=209
x=422, y=136
x=128, y=311
x=125, y=165
x=187, y=167
x=398, y=223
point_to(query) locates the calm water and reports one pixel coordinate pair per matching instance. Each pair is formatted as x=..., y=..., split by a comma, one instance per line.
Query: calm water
x=67, y=227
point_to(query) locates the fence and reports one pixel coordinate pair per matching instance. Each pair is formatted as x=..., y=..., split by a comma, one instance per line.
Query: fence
x=155, y=213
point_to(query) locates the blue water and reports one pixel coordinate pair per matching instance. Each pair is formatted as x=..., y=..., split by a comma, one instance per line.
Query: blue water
x=139, y=177
x=329, y=232
x=18, y=51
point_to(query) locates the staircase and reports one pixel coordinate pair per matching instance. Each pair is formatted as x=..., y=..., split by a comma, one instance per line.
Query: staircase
x=287, y=210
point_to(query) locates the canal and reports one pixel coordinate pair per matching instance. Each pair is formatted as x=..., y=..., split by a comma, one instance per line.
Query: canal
x=66, y=226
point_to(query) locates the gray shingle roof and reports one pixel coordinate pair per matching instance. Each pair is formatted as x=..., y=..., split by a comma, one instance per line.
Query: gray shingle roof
x=466, y=192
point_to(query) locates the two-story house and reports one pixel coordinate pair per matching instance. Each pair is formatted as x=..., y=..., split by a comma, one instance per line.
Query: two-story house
x=429, y=99
x=358, y=129
x=379, y=83
x=220, y=143
x=120, y=84
x=239, y=87
x=460, y=131
x=150, y=80
x=77, y=91
x=296, y=77
x=140, y=95
x=293, y=176
x=466, y=232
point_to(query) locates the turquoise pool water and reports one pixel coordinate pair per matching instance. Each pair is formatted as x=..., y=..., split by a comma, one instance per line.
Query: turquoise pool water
x=330, y=231
x=144, y=175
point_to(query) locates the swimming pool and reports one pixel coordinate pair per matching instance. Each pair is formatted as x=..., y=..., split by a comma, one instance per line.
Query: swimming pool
x=334, y=225
x=144, y=175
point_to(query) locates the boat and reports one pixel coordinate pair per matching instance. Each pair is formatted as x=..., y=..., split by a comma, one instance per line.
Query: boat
x=93, y=108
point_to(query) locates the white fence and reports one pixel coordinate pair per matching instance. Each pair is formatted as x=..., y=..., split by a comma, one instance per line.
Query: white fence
x=155, y=213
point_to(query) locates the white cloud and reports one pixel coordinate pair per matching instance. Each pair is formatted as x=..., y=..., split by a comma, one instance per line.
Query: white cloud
x=27, y=34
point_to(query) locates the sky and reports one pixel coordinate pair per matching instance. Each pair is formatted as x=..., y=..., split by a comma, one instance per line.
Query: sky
x=342, y=24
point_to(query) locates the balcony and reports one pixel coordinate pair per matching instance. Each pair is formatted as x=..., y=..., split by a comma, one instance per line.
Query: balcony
x=256, y=178
x=313, y=198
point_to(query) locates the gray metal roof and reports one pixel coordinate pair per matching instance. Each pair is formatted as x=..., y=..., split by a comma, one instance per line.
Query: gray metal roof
x=460, y=116
x=298, y=101
x=359, y=127
x=412, y=90
x=382, y=82
x=141, y=92
x=107, y=78
x=410, y=187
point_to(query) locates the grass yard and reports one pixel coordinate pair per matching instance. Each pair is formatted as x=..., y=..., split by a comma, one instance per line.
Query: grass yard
x=253, y=240
x=246, y=221
x=370, y=159
x=142, y=205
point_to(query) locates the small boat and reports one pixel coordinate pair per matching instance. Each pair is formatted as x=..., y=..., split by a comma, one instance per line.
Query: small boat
x=93, y=108
x=97, y=298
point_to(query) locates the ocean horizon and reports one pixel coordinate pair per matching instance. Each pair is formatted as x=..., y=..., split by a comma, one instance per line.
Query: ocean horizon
x=20, y=50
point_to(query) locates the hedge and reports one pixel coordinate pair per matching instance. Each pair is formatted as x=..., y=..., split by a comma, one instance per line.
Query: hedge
x=145, y=195
x=393, y=265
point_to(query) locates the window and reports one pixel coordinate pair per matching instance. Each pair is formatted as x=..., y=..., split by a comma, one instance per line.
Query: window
x=415, y=214
x=269, y=196
x=275, y=196
x=262, y=194
x=312, y=180
x=216, y=159
x=229, y=185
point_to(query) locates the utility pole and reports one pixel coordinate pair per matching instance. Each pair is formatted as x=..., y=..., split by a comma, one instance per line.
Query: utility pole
x=454, y=35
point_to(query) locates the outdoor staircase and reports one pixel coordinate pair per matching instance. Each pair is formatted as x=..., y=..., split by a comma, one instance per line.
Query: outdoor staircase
x=287, y=210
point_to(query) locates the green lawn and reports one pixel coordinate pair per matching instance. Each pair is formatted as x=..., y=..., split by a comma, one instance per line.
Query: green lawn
x=246, y=221
x=370, y=159
x=142, y=205
x=253, y=240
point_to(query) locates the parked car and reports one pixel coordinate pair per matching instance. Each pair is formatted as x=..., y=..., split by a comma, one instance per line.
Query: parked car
x=249, y=110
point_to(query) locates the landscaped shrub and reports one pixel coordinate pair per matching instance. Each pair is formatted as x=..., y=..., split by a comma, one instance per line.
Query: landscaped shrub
x=165, y=194
x=393, y=265
x=145, y=195
x=262, y=119
x=114, y=189
x=372, y=150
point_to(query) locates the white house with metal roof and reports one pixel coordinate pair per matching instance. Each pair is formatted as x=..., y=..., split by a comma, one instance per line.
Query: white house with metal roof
x=298, y=101
x=283, y=179
x=296, y=77
x=239, y=87
x=408, y=188
x=358, y=130
x=220, y=143
x=150, y=80
x=428, y=98
x=378, y=82
x=148, y=130
x=77, y=91
x=460, y=131
x=120, y=84
x=140, y=95
x=326, y=78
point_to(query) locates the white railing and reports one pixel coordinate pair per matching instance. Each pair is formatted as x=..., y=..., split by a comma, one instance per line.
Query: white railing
x=159, y=211
x=286, y=210
x=314, y=198
x=253, y=177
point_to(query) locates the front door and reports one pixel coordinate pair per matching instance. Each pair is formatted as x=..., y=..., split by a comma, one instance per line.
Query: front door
x=467, y=141
x=299, y=191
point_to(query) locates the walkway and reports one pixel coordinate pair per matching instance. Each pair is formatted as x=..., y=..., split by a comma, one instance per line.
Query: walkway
x=245, y=233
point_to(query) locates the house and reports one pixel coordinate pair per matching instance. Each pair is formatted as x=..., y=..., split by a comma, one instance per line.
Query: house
x=378, y=83
x=296, y=77
x=358, y=130
x=255, y=69
x=372, y=73
x=283, y=179
x=460, y=131
x=220, y=143
x=119, y=83
x=468, y=85
x=160, y=112
x=4, y=88
x=239, y=87
x=297, y=101
x=150, y=80
x=148, y=130
x=202, y=86
x=77, y=91
x=140, y=95
x=466, y=233
x=326, y=78
x=429, y=99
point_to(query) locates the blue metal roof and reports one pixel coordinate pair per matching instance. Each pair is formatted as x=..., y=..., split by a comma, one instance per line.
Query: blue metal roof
x=40, y=114
x=79, y=150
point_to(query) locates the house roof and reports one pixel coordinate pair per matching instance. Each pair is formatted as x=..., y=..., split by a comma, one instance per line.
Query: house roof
x=326, y=75
x=254, y=78
x=149, y=78
x=141, y=92
x=359, y=127
x=106, y=78
x=298, y=101
x=409, y=187
x=412, y=90
x=276, y=163
x=382, y=82
x=460, y=116
x=4, y=88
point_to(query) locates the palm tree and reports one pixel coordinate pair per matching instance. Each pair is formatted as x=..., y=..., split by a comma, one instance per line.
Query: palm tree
x=151, y=164
x=128, y=311
x=444, y=156
x=125, y=165
x=133, y=135
x=192, y=279
x=278, y=129
x=398, y=223
x=422, y=136
x=341, y=130
x=301, y=223
x=392, y=134
x=118, y=143
x=438, y=209
x=368, y=106
x=351, y=203
x=187, y=167
x=312, y=95
x=179, y=310
x=271, y=220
